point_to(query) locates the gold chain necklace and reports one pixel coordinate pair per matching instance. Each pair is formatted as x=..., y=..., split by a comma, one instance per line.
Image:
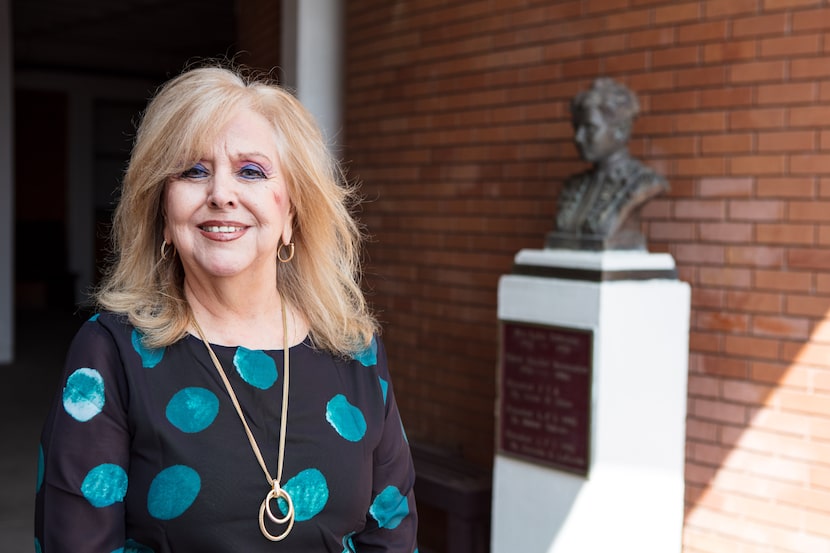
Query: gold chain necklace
x=276, y=492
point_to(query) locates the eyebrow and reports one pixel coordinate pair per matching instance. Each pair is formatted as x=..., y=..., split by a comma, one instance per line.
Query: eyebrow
x=247, y=155
x=258, y=156
x=254, y=153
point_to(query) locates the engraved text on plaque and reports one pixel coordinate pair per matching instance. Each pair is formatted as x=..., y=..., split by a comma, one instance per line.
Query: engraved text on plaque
x=545, y=395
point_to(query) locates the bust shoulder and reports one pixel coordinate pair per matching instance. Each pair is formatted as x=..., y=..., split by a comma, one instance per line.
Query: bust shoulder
x=642, y=183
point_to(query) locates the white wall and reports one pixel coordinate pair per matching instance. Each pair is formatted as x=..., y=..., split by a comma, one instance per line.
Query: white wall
x=312, y=60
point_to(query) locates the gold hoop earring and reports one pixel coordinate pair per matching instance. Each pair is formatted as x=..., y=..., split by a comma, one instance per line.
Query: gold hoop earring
x=164, y=249
x=290, y=247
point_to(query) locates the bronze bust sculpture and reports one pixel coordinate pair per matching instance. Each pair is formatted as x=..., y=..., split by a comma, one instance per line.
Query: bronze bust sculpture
x=599, y=208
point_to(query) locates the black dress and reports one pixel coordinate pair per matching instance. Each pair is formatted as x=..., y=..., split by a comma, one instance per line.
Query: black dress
x=144, y=452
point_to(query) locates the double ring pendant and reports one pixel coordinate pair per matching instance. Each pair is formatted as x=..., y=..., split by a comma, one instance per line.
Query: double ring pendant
x=276, y=493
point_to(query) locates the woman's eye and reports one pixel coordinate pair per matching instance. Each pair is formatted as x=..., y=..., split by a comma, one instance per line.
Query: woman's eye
x=198, y=171
x=251, y=172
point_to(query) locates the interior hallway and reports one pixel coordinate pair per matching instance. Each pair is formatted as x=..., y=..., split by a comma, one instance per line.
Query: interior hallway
x=27, y=388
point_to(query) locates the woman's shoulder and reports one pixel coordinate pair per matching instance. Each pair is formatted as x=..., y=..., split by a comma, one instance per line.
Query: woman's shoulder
x=99, y=341
x=371, y=358
x=106, y=327
x=110, y=331
x=117, y=323
x=367, y=354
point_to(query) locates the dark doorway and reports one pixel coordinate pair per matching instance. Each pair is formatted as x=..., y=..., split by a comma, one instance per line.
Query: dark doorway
x=90, y=50
x=41, y=275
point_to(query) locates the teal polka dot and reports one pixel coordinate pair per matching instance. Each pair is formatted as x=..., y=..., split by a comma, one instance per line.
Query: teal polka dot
x=38, y=549
x=346, y=418
x=83, y=396
x=94, y=318
x=389, y=508
x=348, y=544
x=173, y=491
x=384, y=385
x=149, y=357
x=255, y=367
x=192, y=409
x=41, y=466
x=368, y=356
x=309, y=492
x=104, y=485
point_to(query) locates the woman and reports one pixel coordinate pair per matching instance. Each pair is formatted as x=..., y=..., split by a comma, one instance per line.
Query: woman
x=231, y=394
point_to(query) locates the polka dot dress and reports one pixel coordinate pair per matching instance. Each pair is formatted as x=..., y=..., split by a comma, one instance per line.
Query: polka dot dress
x=143, y=451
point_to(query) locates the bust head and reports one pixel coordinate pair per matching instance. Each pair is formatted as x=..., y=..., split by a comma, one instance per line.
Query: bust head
x=602, y=119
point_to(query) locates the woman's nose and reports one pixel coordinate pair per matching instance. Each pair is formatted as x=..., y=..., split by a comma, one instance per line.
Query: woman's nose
x=222, y=190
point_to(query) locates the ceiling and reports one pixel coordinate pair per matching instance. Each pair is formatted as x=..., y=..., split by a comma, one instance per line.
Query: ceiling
x=127, y=38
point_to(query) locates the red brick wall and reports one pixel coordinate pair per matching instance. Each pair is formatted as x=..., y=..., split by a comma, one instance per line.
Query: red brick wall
x=457, y=125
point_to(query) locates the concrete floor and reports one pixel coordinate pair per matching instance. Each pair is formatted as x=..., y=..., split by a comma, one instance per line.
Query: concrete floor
x=27, y=388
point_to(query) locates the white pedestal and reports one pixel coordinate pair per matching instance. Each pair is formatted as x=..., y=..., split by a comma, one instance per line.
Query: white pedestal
x=632, y=497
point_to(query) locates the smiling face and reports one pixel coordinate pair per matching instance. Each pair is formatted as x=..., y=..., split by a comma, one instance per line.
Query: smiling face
x=227, y=214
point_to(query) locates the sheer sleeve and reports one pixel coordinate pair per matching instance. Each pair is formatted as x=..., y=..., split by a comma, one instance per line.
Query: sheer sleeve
x=392, y=521
x=84, y=451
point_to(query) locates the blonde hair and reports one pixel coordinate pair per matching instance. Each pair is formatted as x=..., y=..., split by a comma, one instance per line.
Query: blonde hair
x=322, y=281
